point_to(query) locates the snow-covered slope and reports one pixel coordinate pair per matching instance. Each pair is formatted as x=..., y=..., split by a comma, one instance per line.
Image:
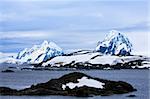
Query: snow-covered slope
x=115, y=43
x=39, y=53
x=97, y=60
x=76, y=58
x=5, y=55
x=8, y=58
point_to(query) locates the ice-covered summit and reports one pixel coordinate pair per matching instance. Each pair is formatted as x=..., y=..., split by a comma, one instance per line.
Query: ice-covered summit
x=39, y=53
x=115, y=43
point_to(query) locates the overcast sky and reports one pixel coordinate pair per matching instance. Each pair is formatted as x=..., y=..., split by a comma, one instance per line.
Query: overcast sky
x=71, y=24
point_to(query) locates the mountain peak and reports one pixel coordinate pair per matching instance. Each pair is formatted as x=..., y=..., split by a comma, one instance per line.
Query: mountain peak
x=44, y=43
x=115, y=43
x=39, y=53
x=112, y=34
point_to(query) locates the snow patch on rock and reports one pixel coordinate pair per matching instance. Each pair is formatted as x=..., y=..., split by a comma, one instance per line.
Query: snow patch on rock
x=84, y=81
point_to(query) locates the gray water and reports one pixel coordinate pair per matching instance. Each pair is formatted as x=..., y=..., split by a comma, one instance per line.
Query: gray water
x=21, y=79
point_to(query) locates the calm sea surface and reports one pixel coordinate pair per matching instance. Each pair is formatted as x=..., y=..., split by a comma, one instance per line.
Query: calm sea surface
x=140, y=79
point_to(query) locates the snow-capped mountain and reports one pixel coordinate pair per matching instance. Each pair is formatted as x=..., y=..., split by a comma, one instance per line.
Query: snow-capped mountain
x=112, y=53
x=39, y=53
x=115, y=43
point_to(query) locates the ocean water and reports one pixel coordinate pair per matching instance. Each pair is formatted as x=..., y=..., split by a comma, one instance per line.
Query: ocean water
x=140, y=79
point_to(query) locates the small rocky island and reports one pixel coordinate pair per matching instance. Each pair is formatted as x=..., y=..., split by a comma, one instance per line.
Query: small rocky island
x=73, y=84
x=7, y=71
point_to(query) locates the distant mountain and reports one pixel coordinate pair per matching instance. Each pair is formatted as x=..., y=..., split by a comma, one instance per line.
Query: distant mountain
x=112, y=53
x=39, y=53
x=115, y=43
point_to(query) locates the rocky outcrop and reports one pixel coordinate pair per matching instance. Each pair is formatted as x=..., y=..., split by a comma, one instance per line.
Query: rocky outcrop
x=73, y=84
x=7, y=71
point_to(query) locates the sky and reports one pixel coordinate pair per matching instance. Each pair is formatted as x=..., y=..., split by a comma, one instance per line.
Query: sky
x=72, y=24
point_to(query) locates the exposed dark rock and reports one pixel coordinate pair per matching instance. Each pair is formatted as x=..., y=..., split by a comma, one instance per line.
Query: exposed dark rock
x=79, y=52
x=7, y=91
x=11, y=67
x=54, y=87
x=7, y=71
x=131, y=96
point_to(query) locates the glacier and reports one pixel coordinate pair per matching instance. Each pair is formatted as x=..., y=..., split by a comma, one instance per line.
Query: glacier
x=115, y=43
x=39, y=53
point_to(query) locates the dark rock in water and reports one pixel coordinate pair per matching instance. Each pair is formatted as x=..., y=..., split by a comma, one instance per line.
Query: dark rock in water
x=7, y=71
x=131, y=96
x=7, y=91
x=73, y=84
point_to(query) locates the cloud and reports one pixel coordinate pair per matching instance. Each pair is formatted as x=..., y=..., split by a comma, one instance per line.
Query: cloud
x=68, y=22
x=5, y=17
x=30, y=11
x=23, y=34
x=114, y=13
x=140, y=41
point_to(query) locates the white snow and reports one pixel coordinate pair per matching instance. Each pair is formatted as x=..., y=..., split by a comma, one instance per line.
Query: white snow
x=35, y=54
x=88, y=58
x=5, y=55
x=54, y=46
x=115, y=43
x=80, y=58
x=122, y=46
x=106, y=59
x=68, y=59
x=38, y=53
x=8, y=58
x=143, y=66
x=113, y=60
x=84, y=81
